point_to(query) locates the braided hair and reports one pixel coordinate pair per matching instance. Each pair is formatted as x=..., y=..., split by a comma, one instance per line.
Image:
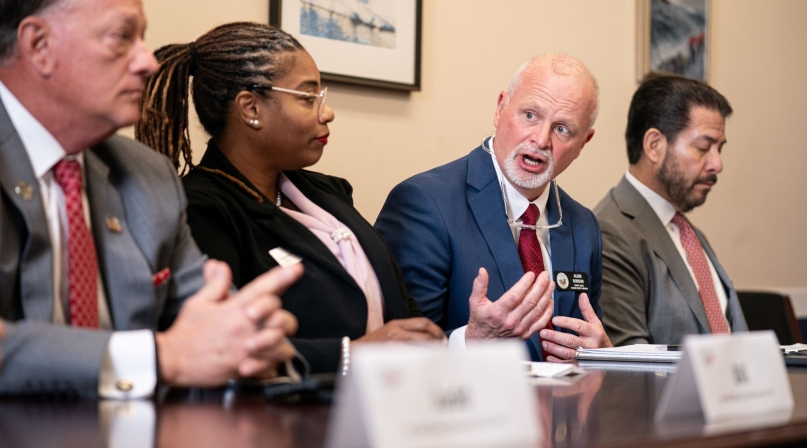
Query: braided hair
x=223, y=62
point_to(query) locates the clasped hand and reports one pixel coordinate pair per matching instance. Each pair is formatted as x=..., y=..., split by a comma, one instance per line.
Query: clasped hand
x=216, y=336
x=414, y=329
x=518, y=313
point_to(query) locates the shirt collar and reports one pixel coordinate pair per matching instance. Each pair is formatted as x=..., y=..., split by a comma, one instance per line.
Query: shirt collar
x=664, y=210
x=42, y=148
x=516, y=203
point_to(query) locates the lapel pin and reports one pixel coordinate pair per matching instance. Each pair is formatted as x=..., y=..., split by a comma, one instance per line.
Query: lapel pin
x=25, y=190
x=113, y=224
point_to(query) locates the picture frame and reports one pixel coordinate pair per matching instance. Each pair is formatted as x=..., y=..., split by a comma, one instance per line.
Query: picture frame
x=365, y=42
x=673, y=36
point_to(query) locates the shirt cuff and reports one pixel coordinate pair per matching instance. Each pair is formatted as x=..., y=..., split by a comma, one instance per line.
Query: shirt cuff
x=456, y=341
x=130, y=366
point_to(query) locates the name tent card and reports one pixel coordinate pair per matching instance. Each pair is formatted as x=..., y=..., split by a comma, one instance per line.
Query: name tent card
x=399, y=395
x=728, y=377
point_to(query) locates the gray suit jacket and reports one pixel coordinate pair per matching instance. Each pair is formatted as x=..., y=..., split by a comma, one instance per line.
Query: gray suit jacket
x=648, y=295
x=125, y=180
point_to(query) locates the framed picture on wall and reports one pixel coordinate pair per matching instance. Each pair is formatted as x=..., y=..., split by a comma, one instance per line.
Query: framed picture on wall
x=367, y=42
x=673, y=37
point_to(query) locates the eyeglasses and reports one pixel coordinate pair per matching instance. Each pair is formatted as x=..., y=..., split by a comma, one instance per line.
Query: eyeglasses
x=518, y=225
x=320, y=98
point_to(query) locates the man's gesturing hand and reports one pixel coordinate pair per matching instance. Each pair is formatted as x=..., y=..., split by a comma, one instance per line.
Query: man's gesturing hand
x=520, y=312
x=591, y=334
x=217, y=337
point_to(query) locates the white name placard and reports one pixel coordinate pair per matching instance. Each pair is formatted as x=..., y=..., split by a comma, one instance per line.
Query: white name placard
x=727, y=377
x=400, y=395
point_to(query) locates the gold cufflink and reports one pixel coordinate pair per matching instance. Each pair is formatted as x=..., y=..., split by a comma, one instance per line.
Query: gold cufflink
x=113, y=224
x=25, y=190
x=124, y=385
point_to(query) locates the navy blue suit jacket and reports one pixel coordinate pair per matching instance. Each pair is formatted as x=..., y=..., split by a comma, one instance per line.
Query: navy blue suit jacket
x=446, y=223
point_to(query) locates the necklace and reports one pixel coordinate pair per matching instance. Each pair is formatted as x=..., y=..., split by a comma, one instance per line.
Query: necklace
x=277, y=201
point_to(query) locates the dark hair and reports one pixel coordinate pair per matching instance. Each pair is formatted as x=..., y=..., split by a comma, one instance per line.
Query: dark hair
x=663, y=102
x=223, y=62
x=12, y=12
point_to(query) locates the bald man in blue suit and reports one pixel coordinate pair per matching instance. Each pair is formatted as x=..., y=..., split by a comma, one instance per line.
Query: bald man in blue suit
x=449, y=231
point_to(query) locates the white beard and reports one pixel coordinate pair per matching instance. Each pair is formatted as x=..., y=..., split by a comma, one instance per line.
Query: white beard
x=527, y=180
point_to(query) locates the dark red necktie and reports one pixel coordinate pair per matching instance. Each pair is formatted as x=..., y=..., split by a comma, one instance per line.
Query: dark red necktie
x=706, y=287
x=82, y=259
x=529, y=250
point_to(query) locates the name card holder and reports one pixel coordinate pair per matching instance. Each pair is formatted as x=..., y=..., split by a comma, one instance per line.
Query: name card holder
x=399, y=395
x=727, y=377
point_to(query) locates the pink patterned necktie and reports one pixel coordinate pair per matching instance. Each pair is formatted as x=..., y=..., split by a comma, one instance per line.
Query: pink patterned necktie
x=82, y=259
x=697, y=260
x=529, y=250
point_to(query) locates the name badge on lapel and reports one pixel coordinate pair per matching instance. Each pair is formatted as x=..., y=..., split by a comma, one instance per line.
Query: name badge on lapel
x=284, y=258
x=571, y=281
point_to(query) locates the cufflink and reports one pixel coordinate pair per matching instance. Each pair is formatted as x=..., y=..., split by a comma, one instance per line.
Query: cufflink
x=25, y=190
x=124, y=385
x=113, y=224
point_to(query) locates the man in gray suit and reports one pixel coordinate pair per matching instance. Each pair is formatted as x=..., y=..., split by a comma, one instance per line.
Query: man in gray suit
x=661, y=279
x=92, y=226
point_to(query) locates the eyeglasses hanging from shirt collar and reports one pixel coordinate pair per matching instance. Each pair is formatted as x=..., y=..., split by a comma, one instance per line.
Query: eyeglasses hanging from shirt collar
x=519, y=225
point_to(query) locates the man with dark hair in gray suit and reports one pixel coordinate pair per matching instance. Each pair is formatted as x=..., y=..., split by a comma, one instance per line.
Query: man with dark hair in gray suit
x=102, y=289
x=661, y=279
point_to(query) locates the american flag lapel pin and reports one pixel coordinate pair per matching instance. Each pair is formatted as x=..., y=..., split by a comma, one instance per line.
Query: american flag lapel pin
x=161, y=277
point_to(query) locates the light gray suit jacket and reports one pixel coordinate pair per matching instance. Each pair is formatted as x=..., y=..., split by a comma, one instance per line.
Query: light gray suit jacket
x=125, y=180
x=648, y=295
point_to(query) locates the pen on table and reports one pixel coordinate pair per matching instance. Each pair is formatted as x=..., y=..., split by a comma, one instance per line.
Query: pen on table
x=671, y=347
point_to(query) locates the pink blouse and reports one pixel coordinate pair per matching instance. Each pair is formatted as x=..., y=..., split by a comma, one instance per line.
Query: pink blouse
x=342, y=244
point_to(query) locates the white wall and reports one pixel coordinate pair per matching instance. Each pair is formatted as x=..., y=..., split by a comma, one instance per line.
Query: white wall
x=756, y=216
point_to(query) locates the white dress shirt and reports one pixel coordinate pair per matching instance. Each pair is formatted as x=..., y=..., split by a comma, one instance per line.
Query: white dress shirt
x=131, y=354
x=665, y=212
x=516, y=206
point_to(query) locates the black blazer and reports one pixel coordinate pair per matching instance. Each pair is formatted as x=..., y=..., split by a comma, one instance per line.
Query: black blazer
x=231, y=225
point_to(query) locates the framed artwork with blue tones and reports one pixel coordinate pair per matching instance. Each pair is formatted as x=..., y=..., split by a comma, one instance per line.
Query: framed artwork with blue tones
x=367, y=42
x=673, y=37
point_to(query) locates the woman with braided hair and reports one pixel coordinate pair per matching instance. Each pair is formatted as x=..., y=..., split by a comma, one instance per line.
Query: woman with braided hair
x=252, y=204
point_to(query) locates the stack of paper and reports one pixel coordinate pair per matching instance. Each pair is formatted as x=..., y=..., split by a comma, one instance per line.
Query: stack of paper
x=635, y=353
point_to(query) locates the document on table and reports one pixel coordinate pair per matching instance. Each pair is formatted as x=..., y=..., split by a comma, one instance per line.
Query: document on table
x=551, y=370
x=553, y=374
x=633, y=353
x=795, y=348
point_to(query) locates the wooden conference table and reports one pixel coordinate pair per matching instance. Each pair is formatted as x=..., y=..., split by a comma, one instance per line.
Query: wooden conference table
x=604, y=408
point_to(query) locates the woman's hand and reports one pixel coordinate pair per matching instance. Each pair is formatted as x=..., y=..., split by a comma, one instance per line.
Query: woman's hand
x=412, y=329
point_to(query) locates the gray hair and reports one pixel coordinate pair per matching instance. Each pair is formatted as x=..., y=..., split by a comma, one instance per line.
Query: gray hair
x=12, y=12
x=563, y=65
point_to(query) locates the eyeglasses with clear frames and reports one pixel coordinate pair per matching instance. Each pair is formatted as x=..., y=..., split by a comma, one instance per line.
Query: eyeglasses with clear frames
x=320, y=98
x=519, y=225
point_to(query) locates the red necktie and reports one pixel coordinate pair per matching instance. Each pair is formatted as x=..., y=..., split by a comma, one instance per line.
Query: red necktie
x=697, y=260
x=529, y=250
x=82, y=259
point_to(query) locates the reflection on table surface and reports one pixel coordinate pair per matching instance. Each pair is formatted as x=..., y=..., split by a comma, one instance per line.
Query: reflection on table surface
x=603, y=408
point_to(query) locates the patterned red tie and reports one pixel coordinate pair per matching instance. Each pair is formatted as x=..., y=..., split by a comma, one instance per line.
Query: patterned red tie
x=529, y=250
x=82, y=259
x=697, y=260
